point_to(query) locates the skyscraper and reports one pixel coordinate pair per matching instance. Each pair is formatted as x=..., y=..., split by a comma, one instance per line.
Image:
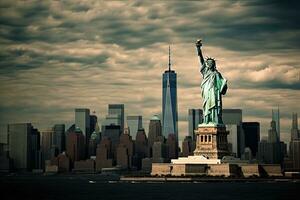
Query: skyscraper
x=276, y=118
x=271, y=151
x=233, y=118
x=4, y=146
x=113, y=132
x=59, y=136
x=134, y=123
x=154, y=130
x=93, y=122
x=295, y=134
x=117, y=110
x=295, y=144
x=75, y=145
x=195, y=117
x=169, y=102
x=141, y=148
x=47, y=143
x=82, y=121
x=24, y=144
x=252, y=135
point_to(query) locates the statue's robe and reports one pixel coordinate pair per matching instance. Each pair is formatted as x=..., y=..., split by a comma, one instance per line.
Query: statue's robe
x=213, y=86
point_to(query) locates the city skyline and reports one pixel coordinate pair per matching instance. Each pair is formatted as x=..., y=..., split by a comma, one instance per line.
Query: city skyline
x=56, y=58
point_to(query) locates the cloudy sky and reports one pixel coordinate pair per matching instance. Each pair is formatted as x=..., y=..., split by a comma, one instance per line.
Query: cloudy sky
x=59, y=55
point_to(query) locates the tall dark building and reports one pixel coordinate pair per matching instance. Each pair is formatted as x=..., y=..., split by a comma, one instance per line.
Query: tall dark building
x=35, y=149
x=271, y=151
x=113, y=132
x=188, y=146
x=76, y=145
x=58, y=140
x=194, y=119
x=104, y=154
x=154, y=131
x=82, y=121
x=134, y=123
x=173, y=146
x=295, y=144
x=276, y=119
x=295, y=134
x=169, y=102
x=117, y=110
x=93, y=121
x=141, y=148
x=252, y=135
x=233, y=118
x=4, y=146
x=46, y=143
x=125, y=151
x=24, y=146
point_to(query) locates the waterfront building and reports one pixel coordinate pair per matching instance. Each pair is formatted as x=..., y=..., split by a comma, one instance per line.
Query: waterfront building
x=160, y=152
x=188, y=146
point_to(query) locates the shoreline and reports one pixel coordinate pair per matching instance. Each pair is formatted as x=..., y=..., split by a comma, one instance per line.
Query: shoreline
x=116, y=178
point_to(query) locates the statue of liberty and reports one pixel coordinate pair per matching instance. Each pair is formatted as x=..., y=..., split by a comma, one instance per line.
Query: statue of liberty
x=213, y=86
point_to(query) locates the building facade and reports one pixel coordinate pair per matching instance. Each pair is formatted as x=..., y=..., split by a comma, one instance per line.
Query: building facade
x=252, y=136
x=194, y=119
x=24, y=146
x=59, y=137
x=276, y=119
x=82, y=121
x=134, y=123
x=295, y=144
x=154, y=131
x=233, y=118
x=118, y=111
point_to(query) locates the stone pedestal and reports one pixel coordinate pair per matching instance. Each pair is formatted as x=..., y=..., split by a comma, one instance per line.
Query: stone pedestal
x=211, y=141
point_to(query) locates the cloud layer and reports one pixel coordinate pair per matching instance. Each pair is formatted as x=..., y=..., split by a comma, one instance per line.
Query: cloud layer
x=59, y=55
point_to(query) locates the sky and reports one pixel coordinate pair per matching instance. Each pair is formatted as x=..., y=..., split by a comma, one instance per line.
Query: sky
x=56, y=56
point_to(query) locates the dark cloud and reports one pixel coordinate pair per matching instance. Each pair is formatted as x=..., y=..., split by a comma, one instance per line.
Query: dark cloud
x=58, y=55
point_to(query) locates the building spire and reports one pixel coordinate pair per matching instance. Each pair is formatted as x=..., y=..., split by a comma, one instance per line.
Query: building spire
x=169, y=58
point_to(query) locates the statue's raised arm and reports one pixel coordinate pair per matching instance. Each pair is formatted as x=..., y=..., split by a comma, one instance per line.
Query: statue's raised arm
x=199, y=45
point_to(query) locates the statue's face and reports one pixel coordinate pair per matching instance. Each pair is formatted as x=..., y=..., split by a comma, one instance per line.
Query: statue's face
x=211, y=64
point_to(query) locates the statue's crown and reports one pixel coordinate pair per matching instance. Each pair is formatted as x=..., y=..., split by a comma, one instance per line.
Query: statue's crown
x=210, y=58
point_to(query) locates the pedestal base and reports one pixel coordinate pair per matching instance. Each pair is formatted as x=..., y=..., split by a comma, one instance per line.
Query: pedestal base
x=211, y=141
x=195, y=160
